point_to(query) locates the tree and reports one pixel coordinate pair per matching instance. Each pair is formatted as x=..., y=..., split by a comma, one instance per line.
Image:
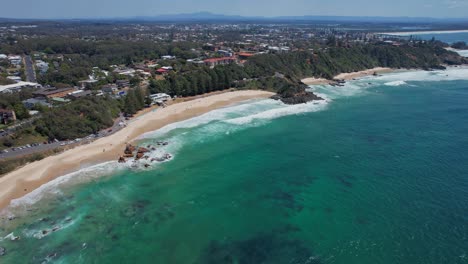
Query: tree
x=135, y=81
x=140, y=98
x=130, y=103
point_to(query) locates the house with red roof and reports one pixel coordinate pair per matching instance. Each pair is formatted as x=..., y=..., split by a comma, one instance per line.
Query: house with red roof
x=220, y=61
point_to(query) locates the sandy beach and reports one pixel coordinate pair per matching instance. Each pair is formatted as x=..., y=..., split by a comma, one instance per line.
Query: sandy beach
x=24, y=180
x=359, y=74
x=345, y=76
x=316, y=81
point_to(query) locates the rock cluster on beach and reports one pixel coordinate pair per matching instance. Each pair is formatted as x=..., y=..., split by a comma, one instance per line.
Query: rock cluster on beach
x=142, y=153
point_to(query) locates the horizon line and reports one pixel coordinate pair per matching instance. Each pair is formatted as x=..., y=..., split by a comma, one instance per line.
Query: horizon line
x=227, y=16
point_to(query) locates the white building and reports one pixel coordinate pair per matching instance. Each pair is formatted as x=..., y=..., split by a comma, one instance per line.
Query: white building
x=159, y=98
x=15, y=59
x=168, y=57
x=18, y=86
x=42, y=66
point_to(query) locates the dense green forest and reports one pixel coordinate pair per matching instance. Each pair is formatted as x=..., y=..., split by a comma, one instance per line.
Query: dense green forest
x=259, y=70
x=78, y=118
x=275, y=72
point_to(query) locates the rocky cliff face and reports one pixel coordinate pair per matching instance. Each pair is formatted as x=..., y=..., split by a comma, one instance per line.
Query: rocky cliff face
x=294, y=92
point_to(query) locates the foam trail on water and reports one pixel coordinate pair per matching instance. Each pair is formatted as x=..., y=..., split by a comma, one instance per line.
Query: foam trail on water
x=279, y=112
x=451, y=74
x=396, y=83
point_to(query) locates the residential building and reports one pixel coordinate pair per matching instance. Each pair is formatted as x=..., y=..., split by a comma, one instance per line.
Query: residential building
x=7, y=116
x=168, y=57
x=87, y=84
x=220, y=61
x=79, y=94
x=109, y=89
x=122, y=83
x=160, y=98
x=32, y=102
x=18, y=86
x=54, y=93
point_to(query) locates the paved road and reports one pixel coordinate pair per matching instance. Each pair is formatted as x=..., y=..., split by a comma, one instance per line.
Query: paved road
x=62, y=144
x=29, y=69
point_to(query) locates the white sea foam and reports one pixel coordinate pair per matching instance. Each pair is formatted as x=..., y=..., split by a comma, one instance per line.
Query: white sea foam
x=215, y=115
x=451, y=74
x=279, y=112
x=329, y=92
x=463, y=53
x=395, y=83
x=53, y=187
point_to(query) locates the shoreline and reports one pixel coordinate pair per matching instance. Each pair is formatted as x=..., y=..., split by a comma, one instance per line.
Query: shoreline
x=346, y=76
x=26, y=179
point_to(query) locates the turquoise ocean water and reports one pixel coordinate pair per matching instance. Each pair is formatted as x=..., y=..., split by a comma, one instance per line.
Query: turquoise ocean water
x=449, y=37
x=377, y=173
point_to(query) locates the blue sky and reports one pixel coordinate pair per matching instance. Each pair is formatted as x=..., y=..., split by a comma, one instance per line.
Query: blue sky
x=129, y=8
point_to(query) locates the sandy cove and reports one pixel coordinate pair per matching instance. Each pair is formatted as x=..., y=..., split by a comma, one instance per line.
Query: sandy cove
x=26, y=179
x=346, y=76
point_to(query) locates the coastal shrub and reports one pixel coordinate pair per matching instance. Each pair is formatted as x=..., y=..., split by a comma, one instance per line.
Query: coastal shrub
x=78, y=119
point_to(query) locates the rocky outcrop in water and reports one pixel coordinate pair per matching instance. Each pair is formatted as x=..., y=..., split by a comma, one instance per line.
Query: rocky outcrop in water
x=299, y=98
x=294, y=92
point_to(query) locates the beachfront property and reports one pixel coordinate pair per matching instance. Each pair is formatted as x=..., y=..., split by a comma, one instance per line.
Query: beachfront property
x=159, y=98
x=15, y=87
x=7, y=116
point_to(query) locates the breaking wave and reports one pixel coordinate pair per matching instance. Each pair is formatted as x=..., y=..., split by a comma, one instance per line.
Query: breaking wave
x=227, y=120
